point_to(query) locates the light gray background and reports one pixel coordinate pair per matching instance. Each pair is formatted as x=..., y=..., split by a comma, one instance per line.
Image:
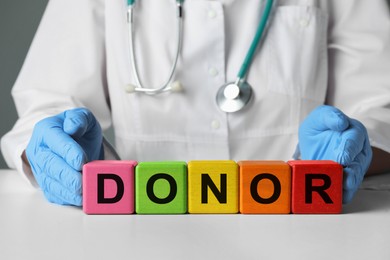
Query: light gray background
x=19, y=20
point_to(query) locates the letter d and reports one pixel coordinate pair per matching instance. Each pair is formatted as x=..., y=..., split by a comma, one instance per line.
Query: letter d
x=101, y=177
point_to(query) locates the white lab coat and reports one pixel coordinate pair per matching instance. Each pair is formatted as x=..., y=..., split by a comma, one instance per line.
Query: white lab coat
x=315, y=52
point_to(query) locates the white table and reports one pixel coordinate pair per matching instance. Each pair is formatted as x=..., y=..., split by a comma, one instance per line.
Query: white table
x=31, y=228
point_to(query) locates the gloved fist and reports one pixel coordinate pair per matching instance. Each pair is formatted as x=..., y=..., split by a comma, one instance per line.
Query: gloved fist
x=328, y=134
x=57, y=150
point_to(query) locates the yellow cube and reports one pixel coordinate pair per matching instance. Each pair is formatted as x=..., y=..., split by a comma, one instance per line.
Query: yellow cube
x=212, y=187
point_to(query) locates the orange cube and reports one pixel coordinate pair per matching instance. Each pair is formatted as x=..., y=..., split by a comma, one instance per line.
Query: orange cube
x=265, y=187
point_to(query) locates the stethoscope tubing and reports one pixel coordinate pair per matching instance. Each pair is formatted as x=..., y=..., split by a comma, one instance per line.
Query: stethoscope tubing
x=263, y=23
x=131, y=32
x=231, y=97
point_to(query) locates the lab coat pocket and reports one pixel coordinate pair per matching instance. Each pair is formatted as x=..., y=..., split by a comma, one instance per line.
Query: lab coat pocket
x=296, y=47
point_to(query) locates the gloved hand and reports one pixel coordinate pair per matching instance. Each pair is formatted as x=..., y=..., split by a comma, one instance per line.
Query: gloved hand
x=328, y=134
x=57, y=150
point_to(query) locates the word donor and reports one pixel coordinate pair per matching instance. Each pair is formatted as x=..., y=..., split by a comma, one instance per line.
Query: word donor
x=212, y=187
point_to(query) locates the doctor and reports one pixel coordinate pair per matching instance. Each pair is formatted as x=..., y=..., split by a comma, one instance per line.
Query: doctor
x=314, y=52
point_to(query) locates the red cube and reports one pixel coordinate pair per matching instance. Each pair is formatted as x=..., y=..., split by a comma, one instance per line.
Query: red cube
x=317, y=187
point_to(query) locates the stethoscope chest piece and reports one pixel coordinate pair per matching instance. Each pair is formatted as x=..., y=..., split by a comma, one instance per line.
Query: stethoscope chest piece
x=233, y=96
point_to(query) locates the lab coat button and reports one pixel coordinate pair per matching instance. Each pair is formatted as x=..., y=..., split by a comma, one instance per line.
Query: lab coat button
x=212, y=14
x=213, y=71
x=304, y=22
x=215, y=124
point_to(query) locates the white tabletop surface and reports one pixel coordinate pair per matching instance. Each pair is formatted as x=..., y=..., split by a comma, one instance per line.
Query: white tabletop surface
x=32, y=228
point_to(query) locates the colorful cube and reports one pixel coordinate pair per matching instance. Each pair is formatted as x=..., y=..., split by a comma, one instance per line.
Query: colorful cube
x=108, y=187
x=212, y=187
x=265, y=187
x=317, y=187
x=161, y=188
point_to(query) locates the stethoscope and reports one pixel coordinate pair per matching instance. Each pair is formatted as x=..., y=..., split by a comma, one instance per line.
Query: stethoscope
x=232, y=96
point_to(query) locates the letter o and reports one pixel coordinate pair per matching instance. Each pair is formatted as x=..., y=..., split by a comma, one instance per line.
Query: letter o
x=277, y=188
x=150, y=191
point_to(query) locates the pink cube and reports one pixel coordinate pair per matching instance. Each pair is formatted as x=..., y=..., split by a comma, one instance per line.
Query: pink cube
x=108, y=187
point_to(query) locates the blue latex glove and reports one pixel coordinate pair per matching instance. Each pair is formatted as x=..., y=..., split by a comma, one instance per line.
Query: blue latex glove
x=328, y=134
x=57, y=150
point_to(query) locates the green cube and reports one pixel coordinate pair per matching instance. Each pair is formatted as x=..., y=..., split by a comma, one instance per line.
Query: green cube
x=161, y=188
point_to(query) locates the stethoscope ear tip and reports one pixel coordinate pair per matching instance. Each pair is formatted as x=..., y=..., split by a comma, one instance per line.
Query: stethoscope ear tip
x=129, y=88
x=176, y=86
